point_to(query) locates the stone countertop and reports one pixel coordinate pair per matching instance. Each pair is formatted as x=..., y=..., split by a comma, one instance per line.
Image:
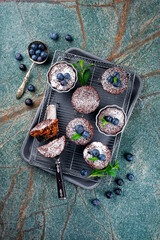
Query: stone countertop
x=126, y=32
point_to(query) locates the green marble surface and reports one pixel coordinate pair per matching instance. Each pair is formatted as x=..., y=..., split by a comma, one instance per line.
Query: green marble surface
x=126, y=32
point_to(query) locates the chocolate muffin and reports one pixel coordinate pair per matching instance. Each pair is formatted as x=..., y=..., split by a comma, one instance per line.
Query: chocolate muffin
x=114, y=80
x=110, y=120
x=80, y=131
x=85, y=99
x=97, y=150
x=62, y=76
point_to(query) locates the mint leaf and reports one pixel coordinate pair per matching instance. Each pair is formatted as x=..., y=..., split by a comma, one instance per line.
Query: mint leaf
x=116, y=166
x=111, y=172
x=103, y=121
x=93, y=159
x=76, y=136
x=81, y=63
x=89, y=65
x=97, y=175
x=76, y=66
x=86, y=76
x=115, y=79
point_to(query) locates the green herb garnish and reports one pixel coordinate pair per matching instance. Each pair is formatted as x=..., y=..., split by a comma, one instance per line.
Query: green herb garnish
x=76, y=136
x=110, y=170
x=115, y=79
x=93, y=159
x=103, y=121
x=84, y=73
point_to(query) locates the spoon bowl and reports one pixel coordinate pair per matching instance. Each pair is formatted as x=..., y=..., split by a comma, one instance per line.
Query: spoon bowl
x=46, y=50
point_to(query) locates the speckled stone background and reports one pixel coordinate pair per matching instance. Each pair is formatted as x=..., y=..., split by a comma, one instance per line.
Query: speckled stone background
x=124, y=31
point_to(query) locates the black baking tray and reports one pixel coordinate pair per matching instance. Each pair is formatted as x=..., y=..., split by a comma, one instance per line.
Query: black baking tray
x=30, y=144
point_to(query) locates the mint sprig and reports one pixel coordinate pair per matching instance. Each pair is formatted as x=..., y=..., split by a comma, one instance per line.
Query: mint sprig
x=76, y=136
x=84, y=73
x=110, y=170
x=103, y=121
x=93, y=159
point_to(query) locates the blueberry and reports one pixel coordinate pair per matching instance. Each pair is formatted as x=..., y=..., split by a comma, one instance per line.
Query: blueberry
x=117, y=83
x=28, y=102
x=116, y=74
x=108, y=118
x=120, y=182
x=109, y=194
x=110, y=79
x=95, y=152
x=68, y=38
x=118, y=191
x=54, y=35
x=129, y=157
x=60, y=76
x=31, y=52
x=39, y=59
x=38, y=52
x=22, y=67
x=43, y=55
x=34, y=46
x=83, y=172
x=86, y=134
x=102, y=157
x=130, y=177
x=115, y=121
x=79, y=129
x=63, y=83
x=34, y=57
x=67, y=76
x=31, y=88
x=96, y=202
x=41, y=47
x=18, y=56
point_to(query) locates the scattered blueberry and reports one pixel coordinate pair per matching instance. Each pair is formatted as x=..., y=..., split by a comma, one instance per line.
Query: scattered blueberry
x=115, y=121
x=118, y=191
x=31, y=51
x=22, y=67
x=116, y=74
x=102, y=157
x=67, y=76
x=130, y=177
x=63, y=83
x=129, y=157
x=34, y=46
x=34, y=57
x=68, y=38
x=18, y=56
x=83, y=172
x=79, y=129
x=110, y=79
x=86, y=134
x=120, y=182
x=95, y=152
x=28, y=102
x=96, y=202
x=38, y=52
x=60, y=76
x=54, y=35
x=41, y=47
x=39, y=59
x=109, y=194
x=43, y=55
x=117, y=83
x=108, y=118
x=31, y=88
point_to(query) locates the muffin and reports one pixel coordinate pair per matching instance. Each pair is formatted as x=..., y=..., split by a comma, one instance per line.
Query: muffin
x=80, y=131
x=97, y=150
x=62, y=77
x=85, y=99
x=110, y=120
x=114, y=80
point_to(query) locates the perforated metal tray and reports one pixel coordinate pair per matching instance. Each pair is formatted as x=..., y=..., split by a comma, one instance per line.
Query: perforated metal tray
x=71, y=158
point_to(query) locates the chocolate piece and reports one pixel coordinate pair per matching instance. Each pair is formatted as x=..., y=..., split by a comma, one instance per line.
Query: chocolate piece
x=103, y=149
x=53, y=148
x=85, y=99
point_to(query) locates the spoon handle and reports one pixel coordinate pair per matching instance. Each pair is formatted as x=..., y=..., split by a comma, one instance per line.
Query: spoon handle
x=20, y=90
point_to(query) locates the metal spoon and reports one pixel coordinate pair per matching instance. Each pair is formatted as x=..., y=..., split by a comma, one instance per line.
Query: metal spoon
x=20, y=90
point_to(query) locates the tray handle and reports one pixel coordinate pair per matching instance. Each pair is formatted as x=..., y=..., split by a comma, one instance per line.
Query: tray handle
x=60, y=182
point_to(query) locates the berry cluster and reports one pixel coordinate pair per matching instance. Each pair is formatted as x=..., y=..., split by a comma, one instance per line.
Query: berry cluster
x=96, y=153
x=63, y=78
x=112, y=120
x=114, y=79
x=37, y=52
x=80, y=130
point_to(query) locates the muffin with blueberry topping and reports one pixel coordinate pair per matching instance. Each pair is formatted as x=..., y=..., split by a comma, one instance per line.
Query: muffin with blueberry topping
x=80, y=131
x=110, y=120
x=97, y=155
x=62, y=77
x=114, y=80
